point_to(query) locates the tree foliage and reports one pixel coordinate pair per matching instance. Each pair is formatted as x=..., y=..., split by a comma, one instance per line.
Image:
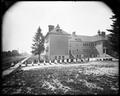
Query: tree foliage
x=114, y=35
x=38, y=45
x=10, y=53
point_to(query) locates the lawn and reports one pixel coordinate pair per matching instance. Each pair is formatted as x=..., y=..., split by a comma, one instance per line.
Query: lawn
x=7, y=61
x=88, y=78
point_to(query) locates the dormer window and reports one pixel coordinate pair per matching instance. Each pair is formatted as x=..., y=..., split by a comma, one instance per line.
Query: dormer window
x=57, y=30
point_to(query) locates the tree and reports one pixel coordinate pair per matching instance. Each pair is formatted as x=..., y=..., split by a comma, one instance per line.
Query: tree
x=38, y=46
x=10, y=53
x=15, y=53
x=114, y=35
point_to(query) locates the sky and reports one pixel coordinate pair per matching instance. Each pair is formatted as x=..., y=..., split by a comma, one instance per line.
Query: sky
x=22, y=20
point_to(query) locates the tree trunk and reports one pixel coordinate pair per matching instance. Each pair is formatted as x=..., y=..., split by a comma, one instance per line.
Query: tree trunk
x=39, y=57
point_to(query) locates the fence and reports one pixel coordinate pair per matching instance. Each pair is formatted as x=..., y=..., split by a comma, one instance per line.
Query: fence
x=52, y=62
x=26, y=63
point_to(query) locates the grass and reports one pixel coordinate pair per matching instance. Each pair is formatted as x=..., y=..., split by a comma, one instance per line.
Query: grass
x=72, y=80
x=6, y=62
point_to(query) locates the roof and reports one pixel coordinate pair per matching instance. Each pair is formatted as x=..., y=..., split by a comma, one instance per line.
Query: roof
x=57, y=31
x=91, y=38
x=54, y=31
x=75, y=38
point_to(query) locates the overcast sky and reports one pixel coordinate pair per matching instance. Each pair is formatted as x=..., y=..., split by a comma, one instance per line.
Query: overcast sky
x=22, y=20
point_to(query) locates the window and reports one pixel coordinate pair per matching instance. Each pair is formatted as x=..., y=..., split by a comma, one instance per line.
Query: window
x=58, y=30
x=69, y=51
x=77, y=49
x=90, y=44
x=103, y=50
x=106, y=51
x=62, y=57
x=59, y=57
x=84, y=44
x=77, y=56
x=90, y=55
x=94, y=43
x=55, y=57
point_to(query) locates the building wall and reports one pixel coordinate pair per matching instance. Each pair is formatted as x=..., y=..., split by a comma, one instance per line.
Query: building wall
x=82, y=49
x=89, y=50
x=61, y=45
x=58, y=46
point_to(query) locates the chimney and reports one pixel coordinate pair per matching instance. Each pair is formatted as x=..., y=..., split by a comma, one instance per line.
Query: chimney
x=103, y=33
x=73, y=33
x=99, y=32
x=58, y=26
x=51, y=27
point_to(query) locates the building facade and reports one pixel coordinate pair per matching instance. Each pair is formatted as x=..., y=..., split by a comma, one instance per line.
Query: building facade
x=61, y=45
